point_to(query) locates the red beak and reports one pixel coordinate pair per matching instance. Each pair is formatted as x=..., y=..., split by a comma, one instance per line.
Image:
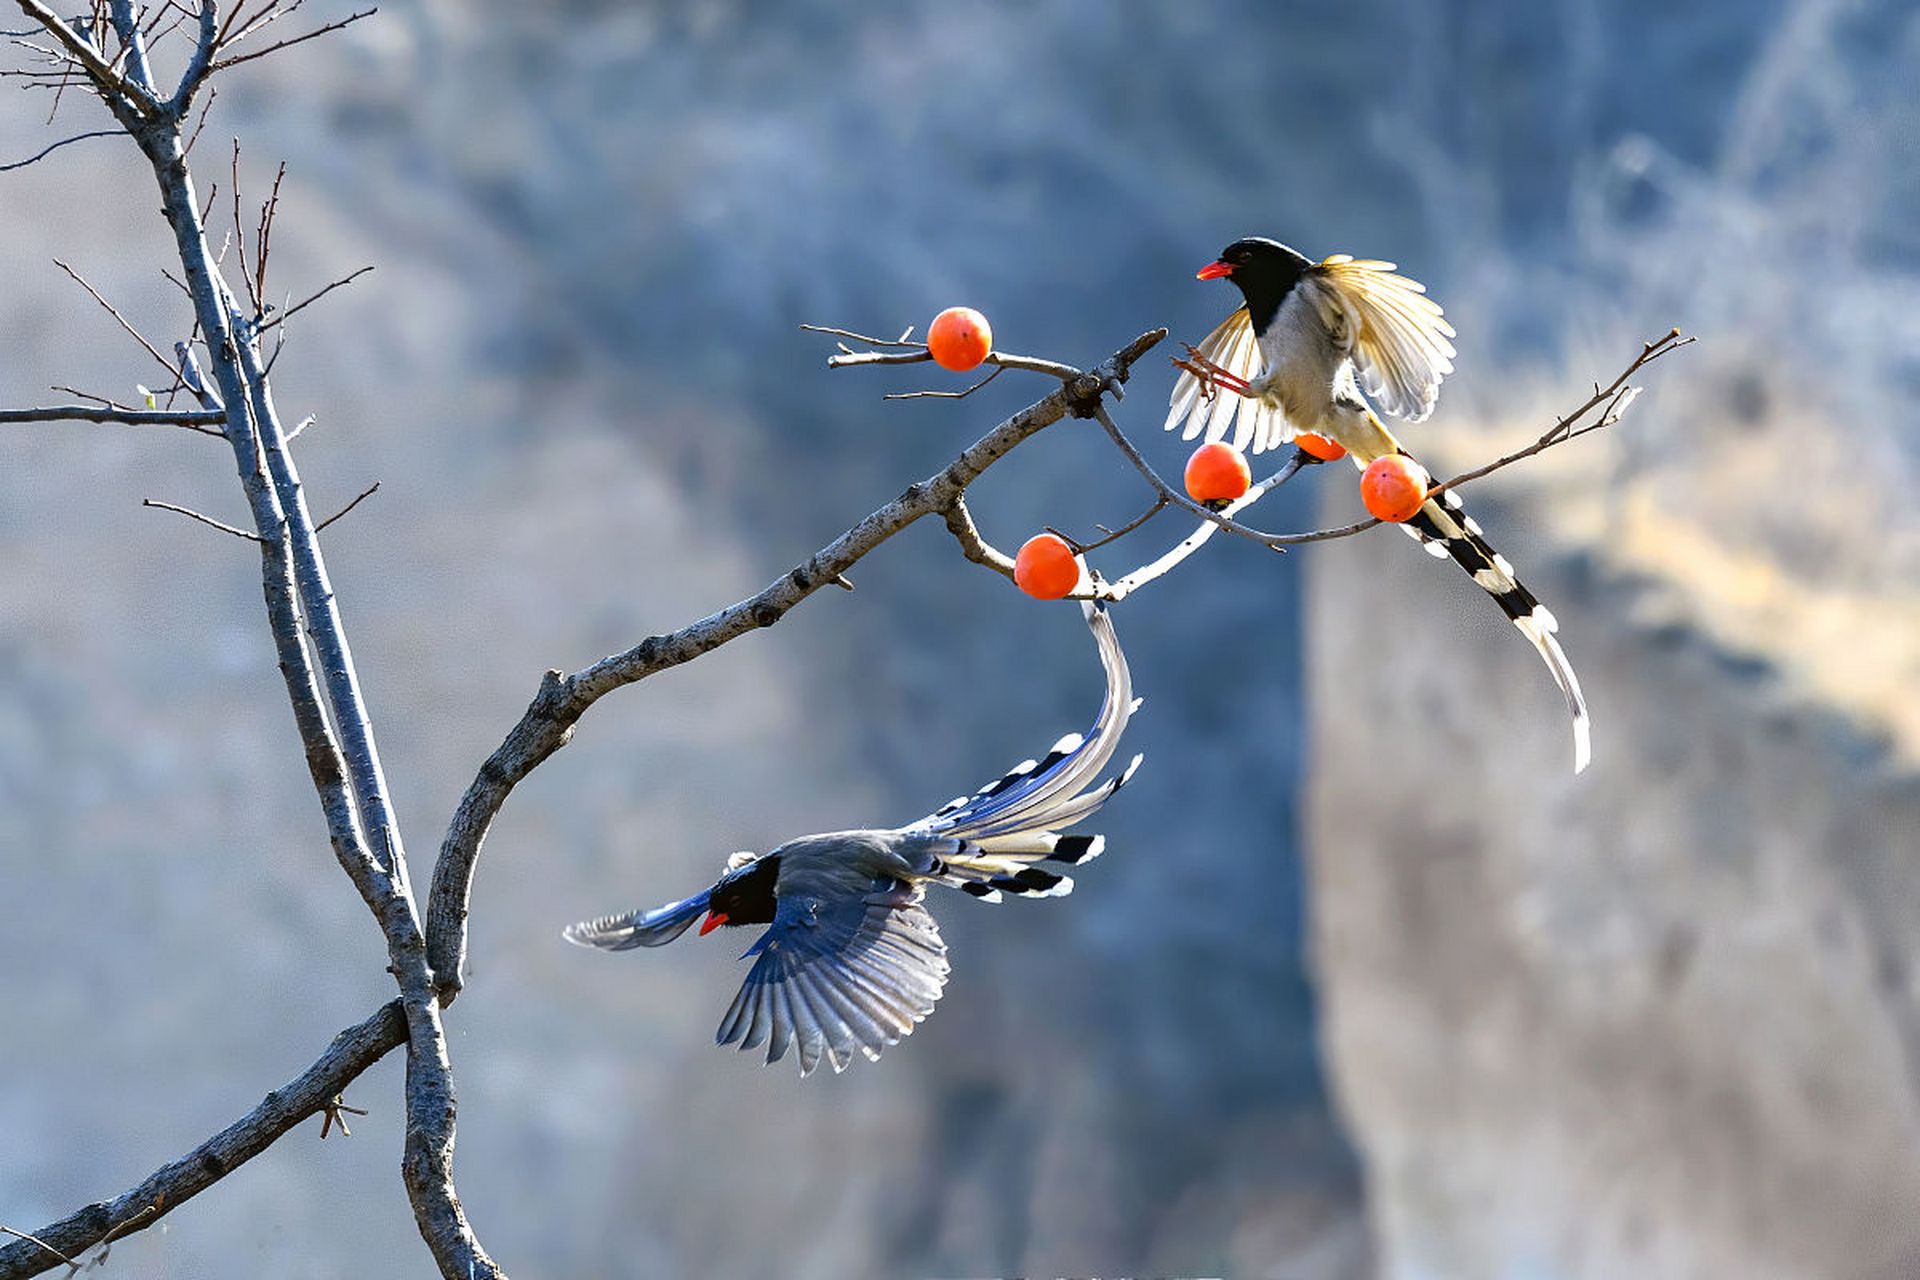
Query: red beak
x=713, y=921
x=1213, y=271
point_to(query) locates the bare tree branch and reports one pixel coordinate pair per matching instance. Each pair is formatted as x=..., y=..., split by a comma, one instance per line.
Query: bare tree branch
x=113, y=311
x=288, y=43
x=1133, y=581
x=1167, y=491
x=191, y=514
x=133, y=46
x=280, y=317
x=206, y=422
x=974, y=547
x=263, y=237
x=48, y=150
x=198, y=67
x=346, y=770
x=562, y=699
x=206, y=109
x=174, y=1183
x=947, y=395
x=240, y=238
x=113, y=84
x=366, y=493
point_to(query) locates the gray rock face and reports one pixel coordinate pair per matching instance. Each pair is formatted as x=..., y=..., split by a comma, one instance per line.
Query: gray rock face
x=1655, y=1021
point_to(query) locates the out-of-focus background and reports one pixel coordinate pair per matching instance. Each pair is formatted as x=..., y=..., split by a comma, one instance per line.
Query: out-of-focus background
x=1368, y=983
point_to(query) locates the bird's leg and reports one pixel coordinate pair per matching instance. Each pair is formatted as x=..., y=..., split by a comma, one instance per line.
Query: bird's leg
x=1212, y=376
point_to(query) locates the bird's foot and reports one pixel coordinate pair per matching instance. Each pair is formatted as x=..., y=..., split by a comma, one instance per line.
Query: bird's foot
x=1213, y=377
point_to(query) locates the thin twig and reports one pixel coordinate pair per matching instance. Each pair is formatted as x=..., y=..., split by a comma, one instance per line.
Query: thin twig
x=106, y=75
x=139, y=337
x=88, y=395
x=240, y=237
x=78, y=137
x=349, y=20
x=263, y=238
x=1004, y=359
x=280, y=317
x=917, y=353
x=1617, y=397
x=1112, y=535
x=204, y=422
x=191, y=514
x=261, y=20
x=946, y=395
x=847, y=359
x=205, y=107
x=1133, y=581
x=901, y=341
x=365, y=494
x=1166, y=491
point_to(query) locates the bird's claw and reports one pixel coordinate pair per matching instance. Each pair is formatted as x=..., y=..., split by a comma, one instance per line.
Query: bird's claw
x=1213, y=377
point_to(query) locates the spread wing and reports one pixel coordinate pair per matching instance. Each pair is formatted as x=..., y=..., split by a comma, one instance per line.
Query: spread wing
x=838, y=974
x=1234, y=347
x=1399, y=337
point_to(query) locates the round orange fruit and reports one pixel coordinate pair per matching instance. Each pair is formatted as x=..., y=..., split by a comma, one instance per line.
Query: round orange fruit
x=959, y=338
x=1218, y=472
x=1319, y=446
x=1394, y=487
x=1046, y=567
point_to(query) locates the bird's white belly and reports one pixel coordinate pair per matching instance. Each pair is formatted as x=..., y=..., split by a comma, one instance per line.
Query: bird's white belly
x=1312, y=380
x=1303, y=365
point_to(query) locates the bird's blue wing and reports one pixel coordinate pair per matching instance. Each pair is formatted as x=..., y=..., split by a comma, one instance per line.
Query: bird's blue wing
x=653, y=928
x=831, y=977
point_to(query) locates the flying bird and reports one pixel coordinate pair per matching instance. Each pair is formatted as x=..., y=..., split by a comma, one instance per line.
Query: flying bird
x=851, y=960
x=1312, y=343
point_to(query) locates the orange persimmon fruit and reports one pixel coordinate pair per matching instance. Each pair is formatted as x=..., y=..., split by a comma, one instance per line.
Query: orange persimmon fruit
x=1046, y=567
x=959, y=338
x=1319, y=446
x=1394, y=487
x=1218, y=472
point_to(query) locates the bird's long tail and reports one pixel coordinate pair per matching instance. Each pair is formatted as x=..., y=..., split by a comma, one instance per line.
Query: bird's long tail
x=1444, y=528
x=991, y=841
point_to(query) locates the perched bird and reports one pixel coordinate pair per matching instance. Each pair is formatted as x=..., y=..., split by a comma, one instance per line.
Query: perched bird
x=851, y=960
x=1312, y=337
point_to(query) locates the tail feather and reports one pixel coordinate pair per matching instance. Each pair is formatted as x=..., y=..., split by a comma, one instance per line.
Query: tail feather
x=1010, y=864
x=1034, y=793
x=987, y=844
x=1446, y=530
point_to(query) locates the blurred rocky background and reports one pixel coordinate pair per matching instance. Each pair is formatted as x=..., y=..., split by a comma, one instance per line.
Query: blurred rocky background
x=1659, y=1020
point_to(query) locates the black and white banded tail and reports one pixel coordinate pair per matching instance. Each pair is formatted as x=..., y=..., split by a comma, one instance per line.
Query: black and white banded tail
x=1444, y=528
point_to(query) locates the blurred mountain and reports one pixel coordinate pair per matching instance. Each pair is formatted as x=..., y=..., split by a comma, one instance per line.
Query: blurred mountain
x=578, y=376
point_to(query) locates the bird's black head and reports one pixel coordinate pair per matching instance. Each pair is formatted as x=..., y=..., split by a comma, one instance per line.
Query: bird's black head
x=1266, y=272
x=743, y=896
